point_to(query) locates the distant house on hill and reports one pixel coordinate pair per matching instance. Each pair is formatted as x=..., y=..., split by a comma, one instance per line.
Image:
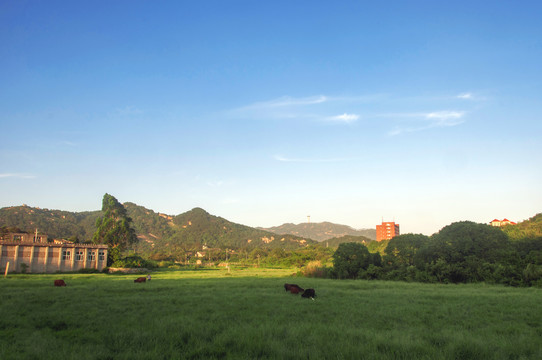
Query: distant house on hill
x=500, y=223
x=34, y=254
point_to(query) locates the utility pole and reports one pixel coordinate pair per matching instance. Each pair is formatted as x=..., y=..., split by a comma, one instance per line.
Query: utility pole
x=227, y=264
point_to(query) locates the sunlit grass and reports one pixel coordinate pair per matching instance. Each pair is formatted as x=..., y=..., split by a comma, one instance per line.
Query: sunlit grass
x=247, y=314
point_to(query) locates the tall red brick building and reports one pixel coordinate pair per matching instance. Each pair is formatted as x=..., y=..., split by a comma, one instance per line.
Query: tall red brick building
x=386, y=231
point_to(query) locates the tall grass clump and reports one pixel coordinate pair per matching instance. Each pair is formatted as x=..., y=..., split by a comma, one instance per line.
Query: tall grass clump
x=315, y=269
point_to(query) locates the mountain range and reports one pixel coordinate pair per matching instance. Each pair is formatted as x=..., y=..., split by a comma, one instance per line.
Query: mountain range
x=164, y=233
x=321, y=231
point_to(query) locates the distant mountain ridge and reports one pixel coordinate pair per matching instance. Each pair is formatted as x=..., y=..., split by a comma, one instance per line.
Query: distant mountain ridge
x=157, y=233
x=336, y=241
x=321, y=231
x=57, y=224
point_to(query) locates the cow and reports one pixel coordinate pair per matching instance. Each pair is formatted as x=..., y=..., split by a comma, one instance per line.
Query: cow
x=309, y=293
x=293, y=288
x=140, y=280
x=60, y=283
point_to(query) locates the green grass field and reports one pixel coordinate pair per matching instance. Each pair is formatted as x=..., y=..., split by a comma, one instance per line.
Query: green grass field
x=247, y=315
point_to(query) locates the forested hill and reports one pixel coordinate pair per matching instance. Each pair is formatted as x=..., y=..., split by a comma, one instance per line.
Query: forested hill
x=157, y=232
x=528, y=229
x=336, y=241
x=57, y=224
x=321, y=231
x=191, y=230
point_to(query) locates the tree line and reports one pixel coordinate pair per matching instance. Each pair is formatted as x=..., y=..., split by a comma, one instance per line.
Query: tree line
x=459, y=253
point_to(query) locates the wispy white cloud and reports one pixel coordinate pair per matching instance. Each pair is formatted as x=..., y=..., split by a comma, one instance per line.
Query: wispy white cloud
x=285, y=101
x=17, y=176
x=465, y=96
x=474, y=97
x=438, y=119
x=445, y=115
x=313, y=108
x=285, y=107
x=325, y=108
x=345, y=118
x=368, y=98
x=307, y=160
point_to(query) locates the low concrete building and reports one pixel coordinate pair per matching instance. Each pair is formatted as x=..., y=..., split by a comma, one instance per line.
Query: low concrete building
x=43, y=257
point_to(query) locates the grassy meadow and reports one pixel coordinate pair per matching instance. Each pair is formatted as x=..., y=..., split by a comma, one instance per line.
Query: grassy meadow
x=246, y=314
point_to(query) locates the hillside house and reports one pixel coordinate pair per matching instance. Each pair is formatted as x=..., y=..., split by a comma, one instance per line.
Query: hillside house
x=500, y=223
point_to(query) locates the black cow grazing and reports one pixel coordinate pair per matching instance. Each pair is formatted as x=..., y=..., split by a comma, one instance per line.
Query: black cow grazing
x=293, y=288
x=309, y=293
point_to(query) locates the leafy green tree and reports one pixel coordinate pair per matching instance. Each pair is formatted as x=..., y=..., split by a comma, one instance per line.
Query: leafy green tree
x=455, y=242
x=114, y=228
x=277, y=253
x=402, y=249
x=528, y=229
x=349, y=259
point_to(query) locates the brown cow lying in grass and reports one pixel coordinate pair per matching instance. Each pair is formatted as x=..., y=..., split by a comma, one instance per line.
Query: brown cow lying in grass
x=60, y=283
x=140, y=279
x=293, y=288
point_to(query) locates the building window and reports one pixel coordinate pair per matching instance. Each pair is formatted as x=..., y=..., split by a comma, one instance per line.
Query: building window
x=79, y=255
x=91, y=256
x=66, y=255
x=17, y=238
x=101, y=255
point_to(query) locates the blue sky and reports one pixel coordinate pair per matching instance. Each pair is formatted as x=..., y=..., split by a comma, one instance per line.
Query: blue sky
x=421, y=112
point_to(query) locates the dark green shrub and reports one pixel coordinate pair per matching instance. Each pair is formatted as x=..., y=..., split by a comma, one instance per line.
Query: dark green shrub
x=88, y=271
x=350, y=259
x=134, y=261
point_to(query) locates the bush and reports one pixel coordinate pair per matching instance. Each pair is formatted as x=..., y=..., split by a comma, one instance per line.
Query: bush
x=532, y=273
x=88, y=271
x=373, y=272
x=315, y=269
x=24, y=268
x=133, y=262
x=349, y=259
